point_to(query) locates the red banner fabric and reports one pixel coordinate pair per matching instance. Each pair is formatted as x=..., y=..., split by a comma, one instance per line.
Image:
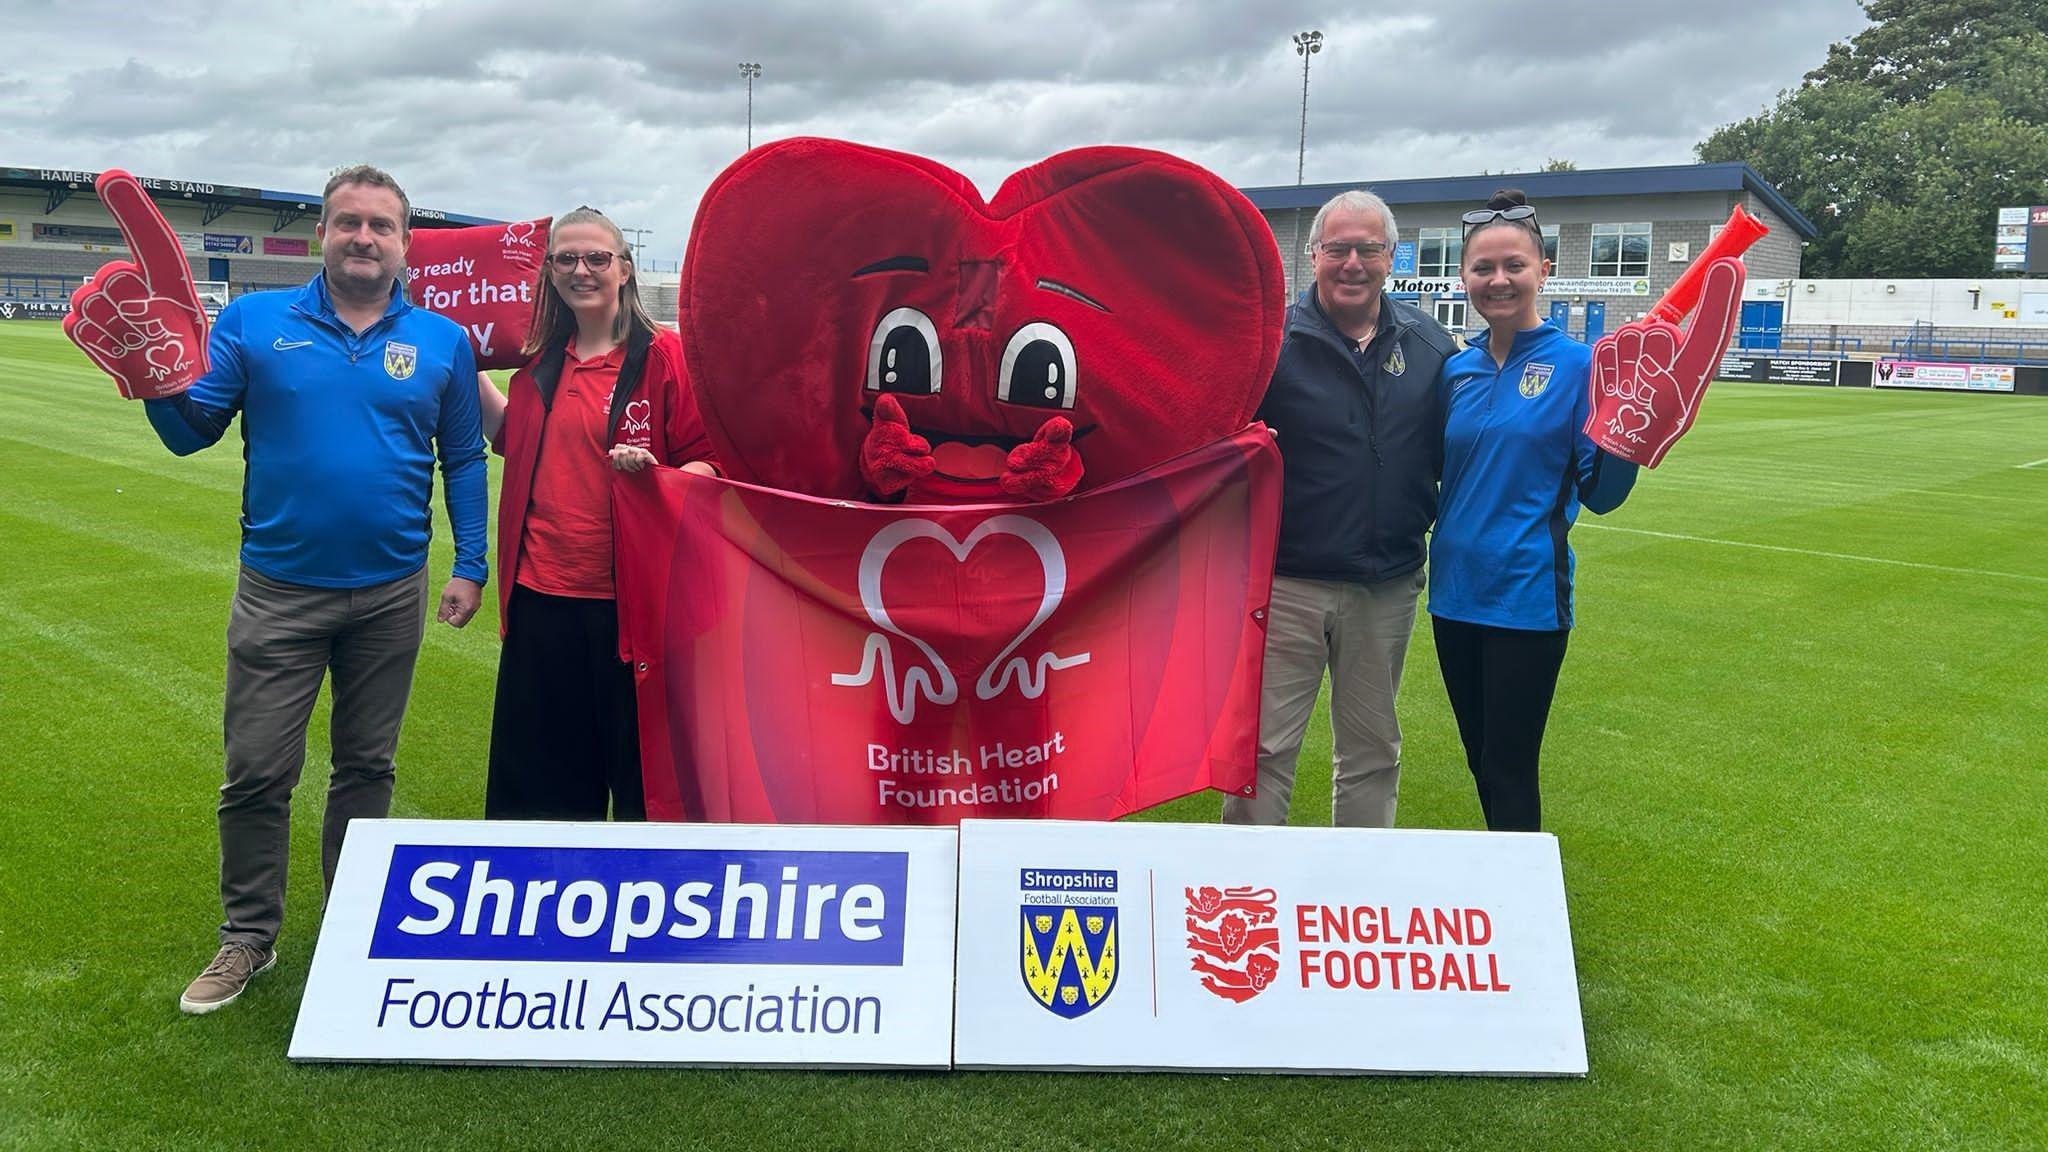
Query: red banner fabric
x=814, y=661
x=482, y=278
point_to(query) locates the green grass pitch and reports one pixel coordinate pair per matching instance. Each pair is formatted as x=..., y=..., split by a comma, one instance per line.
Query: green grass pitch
x=1798, y=764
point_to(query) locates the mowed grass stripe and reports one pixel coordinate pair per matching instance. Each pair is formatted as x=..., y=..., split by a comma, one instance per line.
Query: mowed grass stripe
x=1818, y=554
x=1799, y=800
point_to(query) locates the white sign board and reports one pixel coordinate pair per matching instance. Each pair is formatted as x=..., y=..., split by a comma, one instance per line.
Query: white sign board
x=1945, y=375
x=536, y=943
x=1217, y=948
x=1596, y=286
x=1555, y=286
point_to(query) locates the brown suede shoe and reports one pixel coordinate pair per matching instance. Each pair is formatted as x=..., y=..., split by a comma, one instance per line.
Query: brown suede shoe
x=225, y=978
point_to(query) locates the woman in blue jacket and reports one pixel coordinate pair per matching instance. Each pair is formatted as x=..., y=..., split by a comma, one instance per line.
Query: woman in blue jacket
x=1516, y=470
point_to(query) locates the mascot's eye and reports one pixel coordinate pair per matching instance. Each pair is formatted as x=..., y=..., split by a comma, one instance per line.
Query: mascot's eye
x=904, y=355
x=1038, y=368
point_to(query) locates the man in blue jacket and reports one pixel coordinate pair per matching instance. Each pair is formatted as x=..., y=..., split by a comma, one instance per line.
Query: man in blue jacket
x=347, y=394
x=1358, y=410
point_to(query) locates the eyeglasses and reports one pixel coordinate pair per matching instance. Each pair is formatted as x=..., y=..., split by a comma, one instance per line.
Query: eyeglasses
x=595, y=261
x=1341, y=250
x=1515, y=214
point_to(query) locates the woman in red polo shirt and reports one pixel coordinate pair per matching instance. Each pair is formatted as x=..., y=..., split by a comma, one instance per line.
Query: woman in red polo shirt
x=605, y=390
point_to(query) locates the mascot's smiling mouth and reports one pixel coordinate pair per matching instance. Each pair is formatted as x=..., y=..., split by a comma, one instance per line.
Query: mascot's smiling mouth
x=970, y=459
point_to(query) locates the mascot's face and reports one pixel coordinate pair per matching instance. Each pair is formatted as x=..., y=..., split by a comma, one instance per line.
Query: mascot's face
x=1129, y=293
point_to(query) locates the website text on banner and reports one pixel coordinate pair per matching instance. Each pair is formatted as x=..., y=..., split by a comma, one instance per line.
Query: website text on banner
x=542, y=943
x=1219, y=948
x=811, y=661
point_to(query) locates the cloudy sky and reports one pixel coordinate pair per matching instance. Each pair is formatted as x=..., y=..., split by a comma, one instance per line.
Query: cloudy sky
x=517, y=108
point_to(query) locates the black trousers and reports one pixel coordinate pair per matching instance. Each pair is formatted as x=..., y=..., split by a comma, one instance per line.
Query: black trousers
x=565, y=741
x=1501, y=681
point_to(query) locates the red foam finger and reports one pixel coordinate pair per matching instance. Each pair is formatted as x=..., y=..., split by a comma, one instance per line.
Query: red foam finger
x=1660, y=345
x=98, y=282
x=95, y=307
x=99, y=347
x=1628, y=346
x=1606, y=367
x=124, y=286
x=1706, y=338
x=158, y=255
x=93, y=340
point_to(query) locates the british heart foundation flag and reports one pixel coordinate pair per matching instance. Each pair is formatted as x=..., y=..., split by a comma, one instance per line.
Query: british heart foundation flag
x=814, y=661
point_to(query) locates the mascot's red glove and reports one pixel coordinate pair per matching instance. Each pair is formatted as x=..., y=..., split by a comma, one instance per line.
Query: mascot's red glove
x=141, y=321
x=1045, y=467
x=1648, y=376
x=892, y=458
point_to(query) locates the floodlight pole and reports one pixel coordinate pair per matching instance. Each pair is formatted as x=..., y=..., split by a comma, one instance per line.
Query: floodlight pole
x=750, y=70
x=1306, y=44
x=637, y=243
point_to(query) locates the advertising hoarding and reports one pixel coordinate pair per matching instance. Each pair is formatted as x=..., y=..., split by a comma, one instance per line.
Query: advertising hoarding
x=1945, y=376
x=547, y=943
x=1220, y=948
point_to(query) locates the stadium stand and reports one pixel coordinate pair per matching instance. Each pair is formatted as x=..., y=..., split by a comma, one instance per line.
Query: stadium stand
x=54, y=233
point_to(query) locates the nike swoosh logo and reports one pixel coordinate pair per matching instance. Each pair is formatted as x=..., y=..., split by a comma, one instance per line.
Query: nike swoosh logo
x=284, y=345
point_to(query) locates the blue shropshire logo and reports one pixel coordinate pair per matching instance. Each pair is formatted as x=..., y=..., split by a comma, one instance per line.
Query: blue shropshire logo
x=400, y=360
x=1067, y=943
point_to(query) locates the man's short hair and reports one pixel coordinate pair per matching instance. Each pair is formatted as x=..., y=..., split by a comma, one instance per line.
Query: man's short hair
x=1355, y=200
x=375, y=178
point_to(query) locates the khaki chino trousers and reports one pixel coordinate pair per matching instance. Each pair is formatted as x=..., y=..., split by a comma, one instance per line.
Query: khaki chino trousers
x=283, y=640
x=1359, y=633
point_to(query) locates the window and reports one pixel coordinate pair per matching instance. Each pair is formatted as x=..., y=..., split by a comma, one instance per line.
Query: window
x=1550, y=244
x=1620, y=250
x=1451, y=314
x=1438, y=250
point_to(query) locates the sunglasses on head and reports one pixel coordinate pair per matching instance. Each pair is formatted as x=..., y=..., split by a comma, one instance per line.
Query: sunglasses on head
x=595, y=261
x=1518, y=214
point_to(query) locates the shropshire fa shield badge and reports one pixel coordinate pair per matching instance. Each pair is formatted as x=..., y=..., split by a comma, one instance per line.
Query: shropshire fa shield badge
x=400, y=360
x=1535, y=378
x=1067, y=943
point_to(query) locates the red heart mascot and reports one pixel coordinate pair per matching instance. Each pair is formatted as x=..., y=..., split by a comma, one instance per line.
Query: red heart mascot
x=862, y=324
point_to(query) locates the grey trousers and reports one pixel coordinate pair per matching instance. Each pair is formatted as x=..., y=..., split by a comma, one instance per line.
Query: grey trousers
x=1360, y=633
x=283, y=639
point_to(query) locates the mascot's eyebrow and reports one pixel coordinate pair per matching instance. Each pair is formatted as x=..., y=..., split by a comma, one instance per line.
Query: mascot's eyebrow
x=895, y=264
x=1074, y=293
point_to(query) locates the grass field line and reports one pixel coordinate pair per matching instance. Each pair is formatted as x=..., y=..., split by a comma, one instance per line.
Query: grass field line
x=2033, y=464
x=1815, y=552
x=165, y=467
x=148, y=672
x=177, y=686
x=126, y=535
x=1973, y=497
x=1834, y=494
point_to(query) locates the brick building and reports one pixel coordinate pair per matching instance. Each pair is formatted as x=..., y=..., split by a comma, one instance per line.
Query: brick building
x=1618, y=237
